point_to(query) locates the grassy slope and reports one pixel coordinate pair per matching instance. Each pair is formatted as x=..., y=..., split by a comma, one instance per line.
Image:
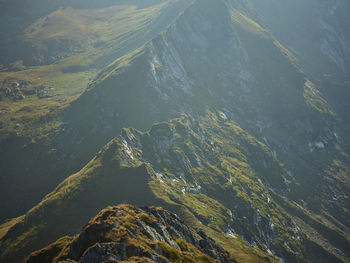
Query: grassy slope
x=53, y=75
x=127, y=217
x=250, y=33
x=5, y=227
x=194, y=200
x=32, y=125
x=321, y=162
x=98, y=37
x=287, y=22
x=113, y=176
x=241, y=251
x=213, y=154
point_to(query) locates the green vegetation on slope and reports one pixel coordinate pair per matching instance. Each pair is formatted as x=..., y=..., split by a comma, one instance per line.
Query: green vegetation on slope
x=139, y=235
x=209, y=165
x=36, y=98
x=210, y=155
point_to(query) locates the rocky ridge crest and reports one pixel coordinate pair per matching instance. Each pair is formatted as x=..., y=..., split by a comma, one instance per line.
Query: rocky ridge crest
x=130, y=234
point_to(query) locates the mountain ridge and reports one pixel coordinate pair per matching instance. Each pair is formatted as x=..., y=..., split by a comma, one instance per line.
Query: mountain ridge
x=172, y=174
x=128, y=234
x=256, y=152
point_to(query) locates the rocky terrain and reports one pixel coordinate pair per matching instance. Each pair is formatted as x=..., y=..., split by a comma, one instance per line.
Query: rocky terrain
x=126, y=233
x=211, y=170
x=237, y=122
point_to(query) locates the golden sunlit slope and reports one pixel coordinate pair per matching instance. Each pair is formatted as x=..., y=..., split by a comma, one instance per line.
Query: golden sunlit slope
x=69, y=46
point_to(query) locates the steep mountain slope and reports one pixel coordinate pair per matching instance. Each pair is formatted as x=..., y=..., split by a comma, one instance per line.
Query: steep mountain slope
x=265, y=163
x=211, y=167
x=208, y=58
x=213, y=56
x=95, y=36
x=129, y=234
x=189, y=69
x=119, y=171
x=67, y=46
x=318, y=31
x=41, y=32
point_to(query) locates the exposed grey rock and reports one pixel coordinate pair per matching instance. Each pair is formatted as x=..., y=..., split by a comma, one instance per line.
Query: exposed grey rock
x=105, y=239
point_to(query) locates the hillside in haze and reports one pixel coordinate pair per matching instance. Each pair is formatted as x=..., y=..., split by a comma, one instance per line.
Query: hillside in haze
x=233, y=114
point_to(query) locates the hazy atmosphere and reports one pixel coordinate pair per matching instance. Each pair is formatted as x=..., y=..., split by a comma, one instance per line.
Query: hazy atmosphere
x=174, y=131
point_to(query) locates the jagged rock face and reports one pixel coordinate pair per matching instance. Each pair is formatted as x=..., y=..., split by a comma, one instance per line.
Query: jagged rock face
x=181, y=150
x=212, y=56
x=200, y=165
x=266, y=167
x=217, y=172
x=130, y=234
x=69, y=149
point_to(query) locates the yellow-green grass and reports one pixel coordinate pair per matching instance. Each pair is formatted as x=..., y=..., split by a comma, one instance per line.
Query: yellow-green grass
x=78, y=196
x=238, y=249
x=30, y=118
x=92, y=34
x=96, y=38
x=6, y=226
x=87, y=26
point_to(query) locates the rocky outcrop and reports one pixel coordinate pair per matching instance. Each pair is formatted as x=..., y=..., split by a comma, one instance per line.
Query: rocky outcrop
x=131, y=234
x=214, y=56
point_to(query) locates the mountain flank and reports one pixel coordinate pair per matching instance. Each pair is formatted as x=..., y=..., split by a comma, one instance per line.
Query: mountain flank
x=214, y=115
